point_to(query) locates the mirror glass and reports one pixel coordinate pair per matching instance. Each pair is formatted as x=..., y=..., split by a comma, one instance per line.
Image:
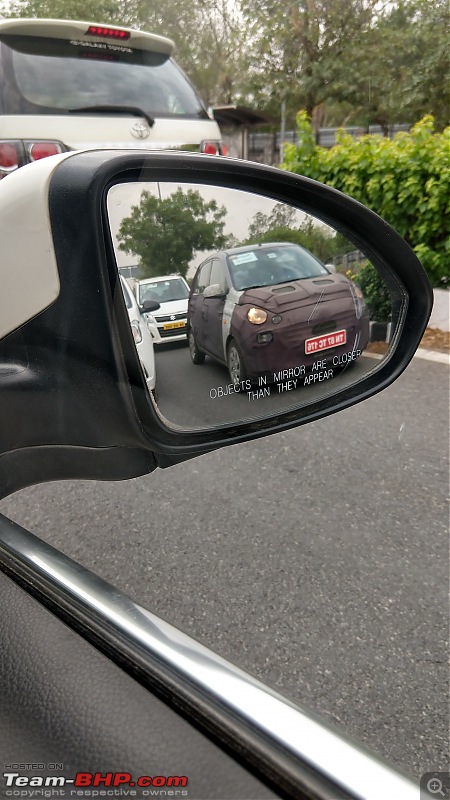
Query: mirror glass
x=242, y=307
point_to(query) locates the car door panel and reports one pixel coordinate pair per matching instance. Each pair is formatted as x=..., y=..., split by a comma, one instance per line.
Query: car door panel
x=70, y=705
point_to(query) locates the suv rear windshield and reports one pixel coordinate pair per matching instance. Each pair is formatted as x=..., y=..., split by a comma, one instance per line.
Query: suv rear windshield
x=43, y=75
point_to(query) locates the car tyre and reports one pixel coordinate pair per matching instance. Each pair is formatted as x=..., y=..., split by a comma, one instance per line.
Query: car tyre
x=236, y=363
x=196, y=355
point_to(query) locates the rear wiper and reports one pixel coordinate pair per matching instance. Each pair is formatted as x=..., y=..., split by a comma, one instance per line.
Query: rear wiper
x=115, y=109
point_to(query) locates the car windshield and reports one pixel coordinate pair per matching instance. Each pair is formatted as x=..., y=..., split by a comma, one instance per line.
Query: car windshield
x=59, y=74
x=163, y=291
x=268, y=266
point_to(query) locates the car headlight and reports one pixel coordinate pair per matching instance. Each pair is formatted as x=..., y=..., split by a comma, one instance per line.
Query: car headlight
x=358, y=299
x=256, y=316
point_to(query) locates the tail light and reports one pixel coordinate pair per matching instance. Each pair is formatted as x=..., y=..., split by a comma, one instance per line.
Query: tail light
x=17, y=153
x=38, y=150
x=213, y=148
x=136, y=331
x=10, y=156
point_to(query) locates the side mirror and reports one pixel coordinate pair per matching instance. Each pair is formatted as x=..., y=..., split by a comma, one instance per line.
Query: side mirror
x=148, y=306
x=214, y=291
x=281, y=351
x=330, y=267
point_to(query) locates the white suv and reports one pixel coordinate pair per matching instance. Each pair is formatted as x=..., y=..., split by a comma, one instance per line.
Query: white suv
x=169, y=322
x=69, y=85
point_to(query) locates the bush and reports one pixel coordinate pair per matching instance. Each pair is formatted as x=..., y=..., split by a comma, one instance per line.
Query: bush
x=376, y=294
x=406, y=180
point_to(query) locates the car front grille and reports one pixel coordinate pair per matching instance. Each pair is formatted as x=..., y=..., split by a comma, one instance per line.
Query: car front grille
x=170, y=317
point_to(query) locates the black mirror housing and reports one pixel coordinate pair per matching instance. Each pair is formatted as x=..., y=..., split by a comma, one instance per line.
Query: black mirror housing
x=149, y=306
x=73, y=400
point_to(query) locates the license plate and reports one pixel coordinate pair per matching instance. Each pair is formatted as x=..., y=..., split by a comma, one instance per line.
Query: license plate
x=325, y=342
x=170, y=325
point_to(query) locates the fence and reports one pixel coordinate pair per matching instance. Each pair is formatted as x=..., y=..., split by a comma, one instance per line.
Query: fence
x=265, y=147
x=347, y=260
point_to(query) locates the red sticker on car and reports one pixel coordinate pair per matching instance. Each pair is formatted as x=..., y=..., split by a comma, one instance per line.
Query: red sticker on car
x=318, y=343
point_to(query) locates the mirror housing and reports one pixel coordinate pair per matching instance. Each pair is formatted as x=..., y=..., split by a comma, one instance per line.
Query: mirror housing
x=214, y=291
x=150, y=305
x=73, y=398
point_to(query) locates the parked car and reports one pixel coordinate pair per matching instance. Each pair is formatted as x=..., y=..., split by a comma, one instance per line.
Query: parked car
x=265, y=308
x=141, y=335
x=68, y=85
x=169, y=322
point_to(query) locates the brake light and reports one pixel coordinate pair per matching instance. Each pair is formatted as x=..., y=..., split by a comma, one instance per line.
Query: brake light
x=212, y=148
x=107, y=33
x=38, y=150
x=9, y=157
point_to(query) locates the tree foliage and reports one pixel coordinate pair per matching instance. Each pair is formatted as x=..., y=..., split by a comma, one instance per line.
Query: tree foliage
x=406, y=180
x=298, y=45
x=279, y=226
x=376, y=294
x=165, y=233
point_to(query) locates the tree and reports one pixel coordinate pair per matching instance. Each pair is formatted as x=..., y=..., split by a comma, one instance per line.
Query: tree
x=278, y=226
x=165, y=233
x=281, y=216
x=399, y=69
x=299, y=45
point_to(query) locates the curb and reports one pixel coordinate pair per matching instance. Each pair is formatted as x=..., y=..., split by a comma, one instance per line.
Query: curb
x=422, y=352
x=433, y=355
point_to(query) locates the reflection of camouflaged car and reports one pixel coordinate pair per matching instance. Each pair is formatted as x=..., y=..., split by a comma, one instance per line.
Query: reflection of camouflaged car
x=261, y=309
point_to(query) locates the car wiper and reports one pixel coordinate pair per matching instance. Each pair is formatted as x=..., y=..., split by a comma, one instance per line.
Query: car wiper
x=115, y=109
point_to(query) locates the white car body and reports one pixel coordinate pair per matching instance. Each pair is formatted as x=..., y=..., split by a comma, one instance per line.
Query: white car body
x=169, y=323
x=141, y=334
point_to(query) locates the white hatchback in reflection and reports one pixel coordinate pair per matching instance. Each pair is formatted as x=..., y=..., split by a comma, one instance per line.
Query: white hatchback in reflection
x=169, y=322
x=142, y=337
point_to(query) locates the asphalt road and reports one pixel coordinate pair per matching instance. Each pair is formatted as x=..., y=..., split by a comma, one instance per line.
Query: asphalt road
x=316, y=559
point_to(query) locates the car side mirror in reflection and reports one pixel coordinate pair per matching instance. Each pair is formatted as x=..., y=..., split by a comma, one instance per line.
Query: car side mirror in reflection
x=150, y=305
x=214, y=291
x=291, y=340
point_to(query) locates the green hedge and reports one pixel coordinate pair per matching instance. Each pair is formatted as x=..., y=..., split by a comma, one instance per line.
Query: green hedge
x=406, y=180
